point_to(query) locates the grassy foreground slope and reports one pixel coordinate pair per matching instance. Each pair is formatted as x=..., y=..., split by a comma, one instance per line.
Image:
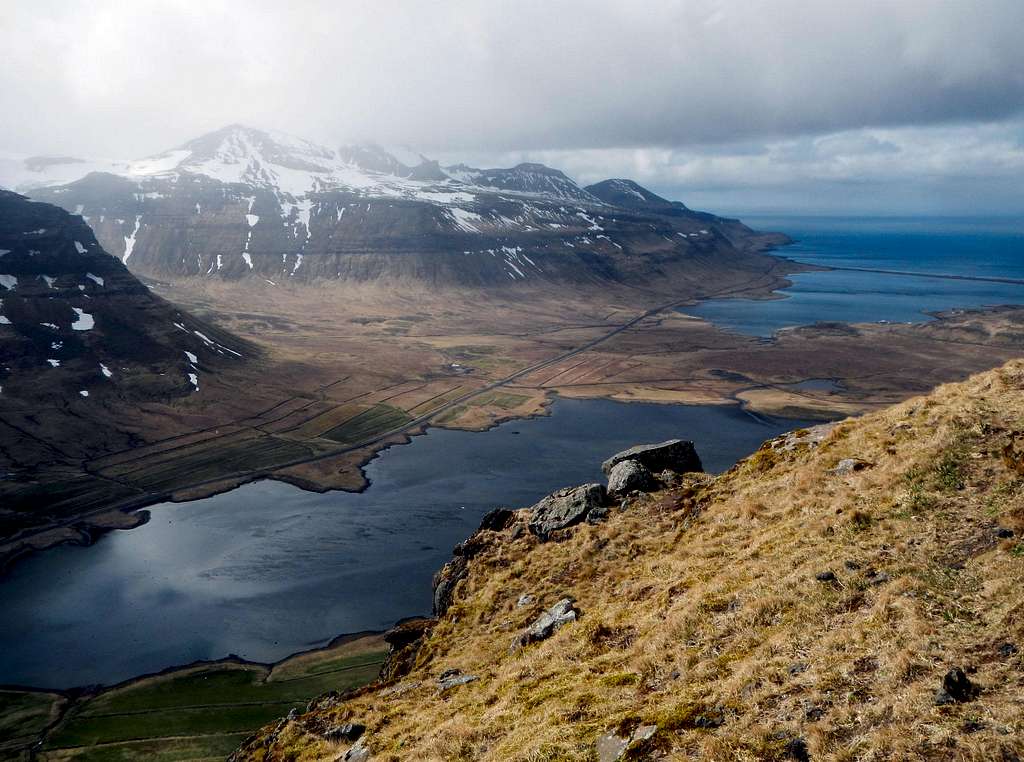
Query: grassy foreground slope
x=780, y=611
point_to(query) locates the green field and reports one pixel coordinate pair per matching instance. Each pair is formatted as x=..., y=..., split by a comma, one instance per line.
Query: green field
x=208, y=461
x=376, y=420
x=197, y=713
x=504, y=400
x=23, y=716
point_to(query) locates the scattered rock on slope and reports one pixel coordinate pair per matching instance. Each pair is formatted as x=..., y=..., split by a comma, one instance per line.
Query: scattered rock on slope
x=612, y=747
x=346, y=733
x=545, y=625
x=956, y=688
x=404, y=639
x=358, y=753
x=676, y=454
x=564, y=508
x=452, y=678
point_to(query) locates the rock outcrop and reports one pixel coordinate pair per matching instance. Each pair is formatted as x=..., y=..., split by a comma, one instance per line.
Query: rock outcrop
x=675, y=455
x=564, y=508
x=404, y=641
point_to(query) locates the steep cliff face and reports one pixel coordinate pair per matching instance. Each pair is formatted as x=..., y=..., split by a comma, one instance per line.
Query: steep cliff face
x=852, y=591
x=243, y=203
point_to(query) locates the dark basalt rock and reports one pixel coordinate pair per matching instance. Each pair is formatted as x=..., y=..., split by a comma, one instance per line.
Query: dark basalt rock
x=452, y=678
x=956, y=688
x=675, y=455
x=404, y=639
x=445, y=581
x=498, y=520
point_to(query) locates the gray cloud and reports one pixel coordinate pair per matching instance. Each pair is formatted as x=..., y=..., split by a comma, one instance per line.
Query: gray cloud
x=698, y=94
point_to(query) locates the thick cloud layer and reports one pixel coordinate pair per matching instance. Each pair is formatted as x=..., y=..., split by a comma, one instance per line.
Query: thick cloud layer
x=713, y=88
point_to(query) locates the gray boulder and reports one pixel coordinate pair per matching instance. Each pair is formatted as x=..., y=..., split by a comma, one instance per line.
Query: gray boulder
x=452, y=678
x=612, y=747
x=564, y=508
x=629, y=476
x=848, y=466
x=544, y=626
x=676, y=455
x=358, y=753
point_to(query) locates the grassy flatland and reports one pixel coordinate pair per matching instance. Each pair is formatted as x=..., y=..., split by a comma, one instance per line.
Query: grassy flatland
x=503, y=400
x=787, y=609
x=377, y=419
x=195, y=713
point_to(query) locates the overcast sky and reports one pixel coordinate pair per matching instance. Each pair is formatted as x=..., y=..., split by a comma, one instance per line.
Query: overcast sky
x=901, y=106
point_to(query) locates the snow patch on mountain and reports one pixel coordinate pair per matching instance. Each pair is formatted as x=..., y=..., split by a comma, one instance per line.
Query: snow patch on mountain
x=83, y=321
x=129, y=240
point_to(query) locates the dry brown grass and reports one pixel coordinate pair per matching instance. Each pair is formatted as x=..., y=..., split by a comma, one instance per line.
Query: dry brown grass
x=701, y=612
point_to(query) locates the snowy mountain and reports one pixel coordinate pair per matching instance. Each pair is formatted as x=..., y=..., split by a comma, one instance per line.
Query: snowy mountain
x=629, y=195
x=290, y=166
x=243, y=202
x=528, y=179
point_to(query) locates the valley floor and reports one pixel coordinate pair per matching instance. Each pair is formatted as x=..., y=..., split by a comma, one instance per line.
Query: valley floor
x=346, y=372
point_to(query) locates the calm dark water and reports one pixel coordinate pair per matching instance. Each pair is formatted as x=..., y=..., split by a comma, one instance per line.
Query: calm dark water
x=978, y=248
x=268, y=569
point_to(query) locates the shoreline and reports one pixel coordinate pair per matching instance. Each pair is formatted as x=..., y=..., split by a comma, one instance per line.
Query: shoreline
x=89, y=533
x=234, y=660
x=80, y=531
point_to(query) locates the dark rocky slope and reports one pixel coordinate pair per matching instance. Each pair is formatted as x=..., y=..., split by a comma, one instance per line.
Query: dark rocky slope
x=81, y=342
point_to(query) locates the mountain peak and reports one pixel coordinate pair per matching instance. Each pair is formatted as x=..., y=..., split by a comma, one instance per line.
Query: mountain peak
x=626, y=193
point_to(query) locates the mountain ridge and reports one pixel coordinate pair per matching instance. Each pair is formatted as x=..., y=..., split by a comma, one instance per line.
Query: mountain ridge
x=240, y=202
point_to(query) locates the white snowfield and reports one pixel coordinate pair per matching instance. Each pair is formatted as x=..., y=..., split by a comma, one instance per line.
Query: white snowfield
x=10, y=282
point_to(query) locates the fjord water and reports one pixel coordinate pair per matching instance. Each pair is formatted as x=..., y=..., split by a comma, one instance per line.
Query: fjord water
x=985, y=248
x=267, y=569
